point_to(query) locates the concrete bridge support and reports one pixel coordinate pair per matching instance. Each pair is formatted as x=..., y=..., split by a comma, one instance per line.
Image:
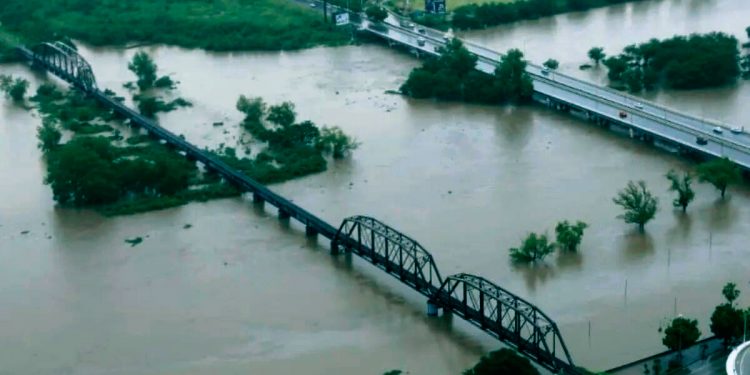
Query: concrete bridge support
x=257, y=199
x=310, y=231
x=432, y=308
x=283, y=214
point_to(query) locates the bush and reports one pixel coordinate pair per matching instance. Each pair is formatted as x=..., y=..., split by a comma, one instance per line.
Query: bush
x=14, y=88
x=569, y=236
x=534, y=248
x=376, y=13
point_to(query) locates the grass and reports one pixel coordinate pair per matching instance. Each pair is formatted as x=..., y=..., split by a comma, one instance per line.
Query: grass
x=208, y=24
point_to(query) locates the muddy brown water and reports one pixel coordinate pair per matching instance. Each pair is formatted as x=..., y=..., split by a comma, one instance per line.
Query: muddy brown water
x=238, y=292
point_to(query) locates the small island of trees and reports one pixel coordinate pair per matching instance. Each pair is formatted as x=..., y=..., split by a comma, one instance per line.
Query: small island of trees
x=453, y=76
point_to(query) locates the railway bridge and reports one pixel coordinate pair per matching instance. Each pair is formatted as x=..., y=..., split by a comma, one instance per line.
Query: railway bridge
x=498, y=312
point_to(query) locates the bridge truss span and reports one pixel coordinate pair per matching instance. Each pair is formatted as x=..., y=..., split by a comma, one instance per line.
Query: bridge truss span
x=66, y=63
x=510, y=318
x=390, y=250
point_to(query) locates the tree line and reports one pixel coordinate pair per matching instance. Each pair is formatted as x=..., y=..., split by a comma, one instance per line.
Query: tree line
x=453, y=76
x=222, y=25
x=478, y=16
x=681, y=62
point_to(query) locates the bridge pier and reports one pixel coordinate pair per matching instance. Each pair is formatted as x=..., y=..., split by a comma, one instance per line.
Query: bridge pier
x=310, y=231
x=432, y=308
x=334, y=247
x=257, y=199
x=283, y=215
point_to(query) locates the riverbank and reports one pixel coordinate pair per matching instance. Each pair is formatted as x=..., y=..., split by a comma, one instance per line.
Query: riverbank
x=206, y=24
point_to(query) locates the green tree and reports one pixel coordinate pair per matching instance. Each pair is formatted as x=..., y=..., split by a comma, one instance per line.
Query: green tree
x=726, y=322
x=282, y=114
x=720, y=173
x=730, y=292
x=551, y=64
x=48, y=134
x=376, y=13
x=81, y=172
x=681, y=185
x=336, y=143
x=597, y=54
x=681, y=333
x=253, y=108
x=534, y=248
x=512, y=78
x=569, y=236
x=503, y=361
x=639, y=204
x=144, y=67
x=14, y=88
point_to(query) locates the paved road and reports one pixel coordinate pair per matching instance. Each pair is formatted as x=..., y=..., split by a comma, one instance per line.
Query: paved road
x=664, y=122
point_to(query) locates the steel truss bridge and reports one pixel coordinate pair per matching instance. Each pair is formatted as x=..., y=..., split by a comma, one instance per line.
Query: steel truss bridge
x=502, y=314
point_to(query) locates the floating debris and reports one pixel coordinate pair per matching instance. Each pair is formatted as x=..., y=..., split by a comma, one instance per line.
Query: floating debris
x=25, y=232
x=134, y=241
x=187, y=226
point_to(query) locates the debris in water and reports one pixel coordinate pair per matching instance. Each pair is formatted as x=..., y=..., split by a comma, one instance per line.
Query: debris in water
x=134, y=241
x=25, y=232
x=218, y=123
x=187, y=226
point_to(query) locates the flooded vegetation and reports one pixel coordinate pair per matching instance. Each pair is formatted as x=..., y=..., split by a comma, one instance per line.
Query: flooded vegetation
x=240, y=292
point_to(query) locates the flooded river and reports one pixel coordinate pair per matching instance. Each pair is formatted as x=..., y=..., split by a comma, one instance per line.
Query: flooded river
x=240, y=293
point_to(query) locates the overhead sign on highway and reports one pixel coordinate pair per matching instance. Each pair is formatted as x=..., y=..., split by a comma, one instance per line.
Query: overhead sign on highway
x=434, y=6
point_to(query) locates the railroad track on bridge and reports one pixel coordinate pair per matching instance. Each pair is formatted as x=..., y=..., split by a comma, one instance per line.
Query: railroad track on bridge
x=498, y=312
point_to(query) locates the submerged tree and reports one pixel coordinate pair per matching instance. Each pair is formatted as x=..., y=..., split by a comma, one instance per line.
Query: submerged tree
x=639, y=204
x=512, y=77
x=14, y=88
x=48, y=134
x=144, y=67
x=534, y=248
x=597, y=54
x=253, y=108
x=681, y=333
x=336, y=143
x=551, y=64
x=503, y=361
x=720, y=173
x=681, y=185
x=282, y=114
x=569, y=236
x=376, y=13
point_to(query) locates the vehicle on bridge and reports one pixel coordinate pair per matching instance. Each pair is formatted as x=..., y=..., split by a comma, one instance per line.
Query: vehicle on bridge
x=623, y=114
x=701, y=141
x=421, y=41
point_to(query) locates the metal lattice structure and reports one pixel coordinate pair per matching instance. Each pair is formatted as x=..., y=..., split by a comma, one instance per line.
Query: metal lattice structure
x=507, y=316
x=390, y=250
x=66, y=63
x=504, y=315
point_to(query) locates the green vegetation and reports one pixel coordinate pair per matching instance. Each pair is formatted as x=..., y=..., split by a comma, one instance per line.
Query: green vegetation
x=720, y=173
x=479, y=16
x=535, y=247
x=292, y=149
x=639, y=204
x=596, y=54
x=14, y=88
x=376, y=13
x=681, y=185
x=681, y=333
x=118, y=176
x=144, y=67
x=551, y=64
x=569, y=236
x=149, y=86
x=453, y=76
x=503, y=361
x=727, y=320
x=208, y=24
x=681, y=62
